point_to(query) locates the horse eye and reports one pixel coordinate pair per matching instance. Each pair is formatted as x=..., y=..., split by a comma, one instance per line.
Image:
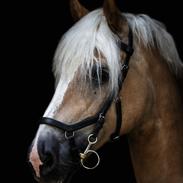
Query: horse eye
x=99, y=76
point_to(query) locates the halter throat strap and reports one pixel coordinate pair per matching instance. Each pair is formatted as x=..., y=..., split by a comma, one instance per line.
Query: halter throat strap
x=128, y=49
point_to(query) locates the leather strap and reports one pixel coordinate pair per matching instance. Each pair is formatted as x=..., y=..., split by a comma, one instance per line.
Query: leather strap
x=116, y=133
x=84, y=123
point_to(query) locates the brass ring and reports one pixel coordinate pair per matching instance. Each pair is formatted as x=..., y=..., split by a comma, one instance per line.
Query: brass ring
x=98, y=160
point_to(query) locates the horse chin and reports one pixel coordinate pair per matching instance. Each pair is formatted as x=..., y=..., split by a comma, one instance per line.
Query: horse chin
x=66, y=179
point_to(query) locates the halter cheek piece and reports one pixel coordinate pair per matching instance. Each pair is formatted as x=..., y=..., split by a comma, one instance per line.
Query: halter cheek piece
x=99, y=118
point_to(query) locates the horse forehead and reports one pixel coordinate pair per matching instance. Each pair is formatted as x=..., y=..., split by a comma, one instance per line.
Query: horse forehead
x=69, y=80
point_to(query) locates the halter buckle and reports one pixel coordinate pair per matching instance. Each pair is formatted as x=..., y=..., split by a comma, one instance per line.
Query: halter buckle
x=124, y=67
x=101, y=117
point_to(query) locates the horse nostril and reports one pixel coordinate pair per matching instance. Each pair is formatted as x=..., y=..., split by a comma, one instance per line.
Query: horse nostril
x=49, y=160
x=48, y=150
x=49, y=164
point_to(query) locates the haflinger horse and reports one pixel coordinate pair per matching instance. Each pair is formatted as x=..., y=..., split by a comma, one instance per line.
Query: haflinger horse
x=113, y=68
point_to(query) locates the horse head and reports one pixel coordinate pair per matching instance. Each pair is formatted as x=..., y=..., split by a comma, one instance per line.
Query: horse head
x=95, y=69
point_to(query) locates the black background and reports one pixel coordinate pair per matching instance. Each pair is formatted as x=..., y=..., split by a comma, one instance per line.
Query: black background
x=32, y=30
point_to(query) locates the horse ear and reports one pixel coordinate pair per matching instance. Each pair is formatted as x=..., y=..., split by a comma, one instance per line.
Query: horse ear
x=77, y=10
x=115, y=19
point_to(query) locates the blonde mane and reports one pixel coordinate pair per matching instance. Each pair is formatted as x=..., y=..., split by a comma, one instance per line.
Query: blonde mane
x=91, y=34
x=152, y=33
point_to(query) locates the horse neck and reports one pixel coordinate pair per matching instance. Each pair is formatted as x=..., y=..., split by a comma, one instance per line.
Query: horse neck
x=156, y=145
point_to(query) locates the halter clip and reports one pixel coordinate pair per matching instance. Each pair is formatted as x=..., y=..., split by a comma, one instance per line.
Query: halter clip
x=91, y=140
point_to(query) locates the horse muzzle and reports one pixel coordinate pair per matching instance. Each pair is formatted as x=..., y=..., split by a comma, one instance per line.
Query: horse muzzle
x=51, y=158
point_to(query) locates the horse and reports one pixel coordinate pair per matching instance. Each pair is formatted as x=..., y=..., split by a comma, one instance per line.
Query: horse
x=115, y=74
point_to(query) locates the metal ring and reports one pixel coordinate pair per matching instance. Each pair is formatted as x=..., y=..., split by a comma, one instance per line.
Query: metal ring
x=92, y=141
x=98, y=160
x=69, y=136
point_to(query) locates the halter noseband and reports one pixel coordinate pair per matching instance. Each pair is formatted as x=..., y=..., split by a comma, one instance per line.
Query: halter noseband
x=99, y=118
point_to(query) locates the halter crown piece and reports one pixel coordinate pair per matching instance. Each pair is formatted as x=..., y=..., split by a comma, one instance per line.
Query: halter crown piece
x=99, y=118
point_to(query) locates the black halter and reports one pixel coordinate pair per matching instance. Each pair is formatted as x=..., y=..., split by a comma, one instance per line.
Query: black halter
x=99, y=118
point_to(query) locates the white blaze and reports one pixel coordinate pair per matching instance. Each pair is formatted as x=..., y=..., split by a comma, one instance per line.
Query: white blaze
x=57, y=98
x=50, y=111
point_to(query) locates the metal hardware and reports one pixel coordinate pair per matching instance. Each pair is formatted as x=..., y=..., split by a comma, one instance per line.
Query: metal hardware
x=69, y=135
x=88, y=152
